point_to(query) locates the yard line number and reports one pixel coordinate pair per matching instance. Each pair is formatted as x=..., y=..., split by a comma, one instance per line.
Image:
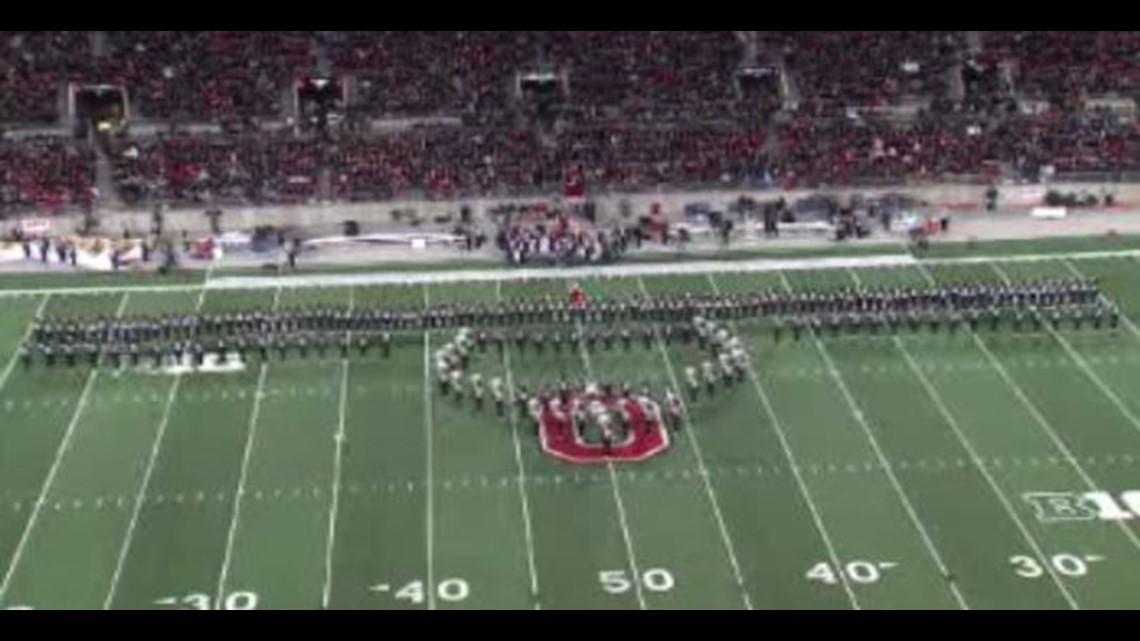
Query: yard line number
x=415, y=592
x=235, y=601
x=861, y=572
x=621, y=582
x=1068, y=565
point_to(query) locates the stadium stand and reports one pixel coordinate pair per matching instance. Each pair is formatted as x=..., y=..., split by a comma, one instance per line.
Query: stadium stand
x=440, y=114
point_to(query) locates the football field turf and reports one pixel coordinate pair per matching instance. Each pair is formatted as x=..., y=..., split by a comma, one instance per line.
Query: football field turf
x=978, y=471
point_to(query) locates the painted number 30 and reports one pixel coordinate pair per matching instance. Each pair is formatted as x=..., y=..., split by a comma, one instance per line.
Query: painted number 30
x=237, y=602
x=1067, y=565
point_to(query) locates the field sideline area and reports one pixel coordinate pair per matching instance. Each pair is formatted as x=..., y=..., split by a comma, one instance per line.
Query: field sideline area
x=928, y=471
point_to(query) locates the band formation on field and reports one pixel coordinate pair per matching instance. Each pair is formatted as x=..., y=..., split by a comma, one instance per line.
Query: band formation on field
x=578, y=421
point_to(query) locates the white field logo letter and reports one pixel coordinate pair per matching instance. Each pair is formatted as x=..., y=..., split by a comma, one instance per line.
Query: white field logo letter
x=1068, y=507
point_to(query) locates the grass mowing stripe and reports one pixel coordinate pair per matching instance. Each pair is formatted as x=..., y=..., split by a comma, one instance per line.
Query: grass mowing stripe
x=380, y=531
x=239, y=494
x=674, y=530
x=616, y=485
x=293, y=454
x=884, y=462
x=981, y=466
x=429, y=464
x=976, y=460
x=582, y=509
x=1022, y=456
x=478, y=527
x=524, y=500
x=177, y=555
x=1047, y=425
x=11, y=366
x=556, y=578
x=338, y=458
x=89, y=505
x=1080, y=361
x=1103, y=299
x=64, y=445
x=132, y=525
x=797, y=472
x=1026, y=464
x=1043, y=422
x=726, y=539
x=913, y=429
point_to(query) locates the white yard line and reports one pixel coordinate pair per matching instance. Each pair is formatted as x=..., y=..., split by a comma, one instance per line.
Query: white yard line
x=11, y=366
x=1123, y=317
x=338, y=457
x=144, y=489
x=980, y=464
x=797, y=472
x=694, y=441
x=615, y=483
x=764, y=265
x=429, y=463
x=524, y=499
x=64, y=447
x=884, y=462
x=251, y=439
x=1082, y=363
x=1042, y=422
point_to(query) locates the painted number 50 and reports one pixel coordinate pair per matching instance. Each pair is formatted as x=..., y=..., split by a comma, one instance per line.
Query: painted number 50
x=620, y=581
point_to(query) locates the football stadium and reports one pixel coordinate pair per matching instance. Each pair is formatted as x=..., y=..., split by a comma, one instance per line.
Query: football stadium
x=581, y=320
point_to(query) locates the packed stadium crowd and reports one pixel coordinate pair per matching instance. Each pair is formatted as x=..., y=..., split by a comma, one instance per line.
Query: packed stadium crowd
x=635, y=110
x=871, y=67
x=45, y=173
x=1064, y=64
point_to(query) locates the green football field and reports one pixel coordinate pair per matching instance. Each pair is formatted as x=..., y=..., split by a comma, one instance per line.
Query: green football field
x=930, y=471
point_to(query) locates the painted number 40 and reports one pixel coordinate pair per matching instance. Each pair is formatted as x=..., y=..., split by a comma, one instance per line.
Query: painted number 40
x=449, y=591
x=861, y=572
